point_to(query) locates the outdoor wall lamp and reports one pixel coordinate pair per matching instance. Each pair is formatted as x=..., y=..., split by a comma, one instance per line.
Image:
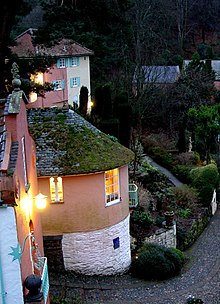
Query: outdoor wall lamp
x=40, y=201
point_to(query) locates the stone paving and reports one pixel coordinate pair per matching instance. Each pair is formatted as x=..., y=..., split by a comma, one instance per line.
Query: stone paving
x=200, y=278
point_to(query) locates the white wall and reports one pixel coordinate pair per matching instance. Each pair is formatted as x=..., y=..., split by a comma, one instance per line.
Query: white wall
x=82, y=71
x=93, y=253
x=10, y=269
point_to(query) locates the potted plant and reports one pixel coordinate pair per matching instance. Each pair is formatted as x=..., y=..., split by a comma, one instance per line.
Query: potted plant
x=169, y=216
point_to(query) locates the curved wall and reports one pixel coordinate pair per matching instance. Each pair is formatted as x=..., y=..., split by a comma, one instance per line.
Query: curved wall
x=83, y=208
x=101, y=252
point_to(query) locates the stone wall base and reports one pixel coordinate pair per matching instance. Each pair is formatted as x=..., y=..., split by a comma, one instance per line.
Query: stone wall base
x=101, y=252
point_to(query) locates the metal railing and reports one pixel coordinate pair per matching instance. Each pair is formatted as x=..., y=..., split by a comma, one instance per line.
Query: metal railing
x=45, y=280
x=133, y=195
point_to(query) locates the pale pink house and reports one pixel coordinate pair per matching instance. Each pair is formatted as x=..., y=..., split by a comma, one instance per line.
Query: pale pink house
x=69, y=72
x=85, y=177
x=21, y=243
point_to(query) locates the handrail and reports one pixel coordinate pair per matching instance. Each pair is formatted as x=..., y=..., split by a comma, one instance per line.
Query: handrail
x=133, y=195
x=45, y=280
x=3, y=293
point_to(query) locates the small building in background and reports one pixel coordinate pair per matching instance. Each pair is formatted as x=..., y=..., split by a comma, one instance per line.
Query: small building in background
x=69, y=70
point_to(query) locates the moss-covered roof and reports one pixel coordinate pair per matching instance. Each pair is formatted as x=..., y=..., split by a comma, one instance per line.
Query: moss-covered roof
x=67, y=144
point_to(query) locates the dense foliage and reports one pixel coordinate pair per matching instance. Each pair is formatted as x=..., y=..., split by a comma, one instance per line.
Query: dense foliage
x=157, y=262
x=205, y=180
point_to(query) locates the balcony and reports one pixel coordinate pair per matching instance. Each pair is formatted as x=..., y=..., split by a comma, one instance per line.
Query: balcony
x=133, y=195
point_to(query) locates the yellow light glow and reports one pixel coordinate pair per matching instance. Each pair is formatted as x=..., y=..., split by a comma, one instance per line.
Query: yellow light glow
x=32, y=97
x=40, y=201
x=26, y=206
x=38, y=78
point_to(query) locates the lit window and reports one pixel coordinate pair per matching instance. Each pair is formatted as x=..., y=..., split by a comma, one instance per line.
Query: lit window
x=58, y=85
x=62, y=63
x=56, y=189
x=112, y=186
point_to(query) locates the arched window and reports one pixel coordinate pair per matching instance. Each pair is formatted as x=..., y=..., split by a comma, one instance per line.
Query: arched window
x=56, y=189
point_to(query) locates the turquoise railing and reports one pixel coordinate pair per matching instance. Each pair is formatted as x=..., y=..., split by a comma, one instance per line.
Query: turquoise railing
x=45, y=280
x=133, y=195
x=2, y=288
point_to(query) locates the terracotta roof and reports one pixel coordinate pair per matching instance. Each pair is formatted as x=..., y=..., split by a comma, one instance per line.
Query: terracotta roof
x=67, y=144
x=60, y=47
x=64, y=47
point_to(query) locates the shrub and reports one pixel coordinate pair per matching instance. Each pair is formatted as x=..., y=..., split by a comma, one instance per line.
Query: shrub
x=142, y=218
x=182, y=172
x=186, y=197
x=188, y=158
x=184, y=213
x=193, y=300
x=156, y=262
x=161, y=156
x=205, y=180
x=151, y=178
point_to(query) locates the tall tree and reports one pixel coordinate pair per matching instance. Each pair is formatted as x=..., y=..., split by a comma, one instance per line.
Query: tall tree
x=9, y=9
x=206, y=127
x=194, y=87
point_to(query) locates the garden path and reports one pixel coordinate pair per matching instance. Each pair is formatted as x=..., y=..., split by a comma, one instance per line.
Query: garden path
x=166, y=172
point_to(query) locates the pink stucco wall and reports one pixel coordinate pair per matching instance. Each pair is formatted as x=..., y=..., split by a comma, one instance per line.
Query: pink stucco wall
x=54, y=97
x=25, y=209
x=84, y=206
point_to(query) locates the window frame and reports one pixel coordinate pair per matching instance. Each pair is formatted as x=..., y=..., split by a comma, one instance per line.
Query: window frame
x=74, y=82
x=115, y=183
x=24, y=159
x=58, y=85
x=62, y=63
x=56, y=189
x=74, y=61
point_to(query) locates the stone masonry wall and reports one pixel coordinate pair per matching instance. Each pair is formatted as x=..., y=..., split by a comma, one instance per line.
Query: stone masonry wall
x=102, y=252
x=163, y=236
x=53, y=252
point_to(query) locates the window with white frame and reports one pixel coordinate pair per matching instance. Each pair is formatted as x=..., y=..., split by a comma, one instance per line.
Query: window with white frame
x=56, y=189
x=62, y=63
x=74, y=82
x=112, y=187
x=74, y=61
x=58, y=85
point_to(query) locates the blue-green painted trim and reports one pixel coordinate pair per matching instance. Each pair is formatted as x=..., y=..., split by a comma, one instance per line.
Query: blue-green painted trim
x=3, y=293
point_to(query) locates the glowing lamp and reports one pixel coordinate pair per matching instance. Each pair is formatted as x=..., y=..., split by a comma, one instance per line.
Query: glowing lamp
x=40, y=201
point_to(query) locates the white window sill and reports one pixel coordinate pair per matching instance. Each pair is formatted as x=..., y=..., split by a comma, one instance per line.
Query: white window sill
x=113, y=202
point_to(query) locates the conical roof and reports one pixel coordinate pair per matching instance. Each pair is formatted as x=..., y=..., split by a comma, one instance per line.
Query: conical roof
x=67, y=144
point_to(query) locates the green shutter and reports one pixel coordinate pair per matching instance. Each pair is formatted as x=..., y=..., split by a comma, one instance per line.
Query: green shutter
x=63, y=84
x=78, y=81
x=58, y=63
x=54, y=84
x=66, y=62
x=71, y=82
x=77, y=61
